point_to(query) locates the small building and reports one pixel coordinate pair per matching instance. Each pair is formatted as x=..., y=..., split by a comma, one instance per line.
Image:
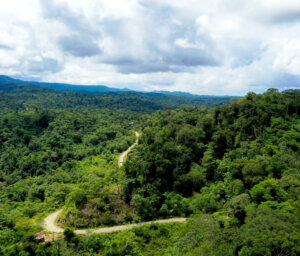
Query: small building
x=41, y=236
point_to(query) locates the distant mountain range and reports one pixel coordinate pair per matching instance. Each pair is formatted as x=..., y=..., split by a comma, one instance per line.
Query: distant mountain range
x=99, y=88
x=64, y=87
x=19, y=94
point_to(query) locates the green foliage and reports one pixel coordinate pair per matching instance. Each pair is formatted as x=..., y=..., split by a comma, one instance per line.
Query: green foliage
x=69, y=234
x=194, y=180
x=203, y=236
x=48, y=159
x=239, y=162
x=16, y=94
x=210, y=199
x=237, y=207
x=234, y=169
x=245, y=144
x=268, y=190
x=31, y=147
x=270, y=232
x=77, y=197
x=175, y=205
x=254, y=171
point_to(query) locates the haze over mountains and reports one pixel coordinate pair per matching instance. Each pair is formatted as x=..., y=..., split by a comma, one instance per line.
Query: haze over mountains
x=18, y=94
x=97, y=88
x=62, y=86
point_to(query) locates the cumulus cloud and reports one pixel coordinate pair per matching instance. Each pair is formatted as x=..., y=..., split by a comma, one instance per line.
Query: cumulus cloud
x=6, y=60
x=79, y=46
x=204, y=47
x=42, y=65
x=288, y=58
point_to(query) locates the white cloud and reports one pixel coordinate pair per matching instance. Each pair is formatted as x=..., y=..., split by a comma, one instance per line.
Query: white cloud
x=205, y=47
x=288, y=58
x=6, y=60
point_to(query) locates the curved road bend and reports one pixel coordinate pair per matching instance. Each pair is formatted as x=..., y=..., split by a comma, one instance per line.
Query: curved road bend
x=51, y=226
x=50, y=221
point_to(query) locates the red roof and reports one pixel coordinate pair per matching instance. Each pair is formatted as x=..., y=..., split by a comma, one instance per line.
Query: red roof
x=41, y=235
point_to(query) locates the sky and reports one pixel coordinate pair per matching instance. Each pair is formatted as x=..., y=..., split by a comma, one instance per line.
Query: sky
x=211, y=47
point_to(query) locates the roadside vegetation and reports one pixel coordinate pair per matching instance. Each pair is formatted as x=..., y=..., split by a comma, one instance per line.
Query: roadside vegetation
x=233, y=170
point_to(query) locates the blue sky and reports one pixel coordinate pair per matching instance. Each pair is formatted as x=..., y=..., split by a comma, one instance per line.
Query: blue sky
x=219, y=47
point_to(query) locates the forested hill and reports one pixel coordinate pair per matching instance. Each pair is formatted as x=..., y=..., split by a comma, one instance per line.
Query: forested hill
x=75, y=100
x=59, y=86
x=10, y=85
x=232, y=170
x=296, y=91
x=237, y=166
x=17, y=94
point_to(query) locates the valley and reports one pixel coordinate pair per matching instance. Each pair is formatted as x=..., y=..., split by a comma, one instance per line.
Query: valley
x=150, y=128
x=177, y=181
x=50, y=221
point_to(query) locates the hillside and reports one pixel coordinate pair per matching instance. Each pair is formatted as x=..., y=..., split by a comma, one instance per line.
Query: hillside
x=59, y=86
x=232, y=171
x=235, y=167
x=25, y=96
x=47, y=95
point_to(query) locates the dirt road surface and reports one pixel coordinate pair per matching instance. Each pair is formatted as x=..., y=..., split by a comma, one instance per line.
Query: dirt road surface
x=50, y=223
x=124, y=154
x=51, y=226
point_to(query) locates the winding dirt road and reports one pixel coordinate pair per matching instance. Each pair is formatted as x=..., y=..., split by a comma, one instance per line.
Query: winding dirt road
x=50, y=221
x=51, y=226
x=125, y=153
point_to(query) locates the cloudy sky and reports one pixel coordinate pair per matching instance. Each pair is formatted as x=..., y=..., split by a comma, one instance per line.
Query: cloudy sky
x=220, y=47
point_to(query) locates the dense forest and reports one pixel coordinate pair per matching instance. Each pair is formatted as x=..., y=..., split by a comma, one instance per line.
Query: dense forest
x=233, y=170
x=17, y=94
x=236, y=168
